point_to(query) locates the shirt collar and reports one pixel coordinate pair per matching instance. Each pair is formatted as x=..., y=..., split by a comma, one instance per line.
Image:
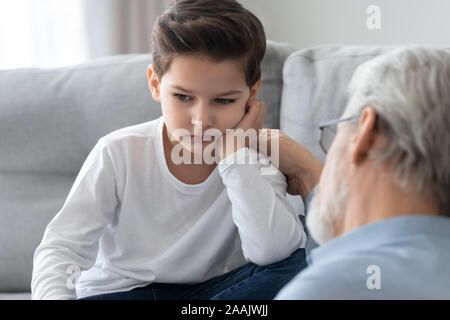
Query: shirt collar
x=376, y=233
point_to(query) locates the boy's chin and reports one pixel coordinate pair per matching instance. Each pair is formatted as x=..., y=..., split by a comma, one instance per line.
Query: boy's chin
x=192, y=154
x=196, y=148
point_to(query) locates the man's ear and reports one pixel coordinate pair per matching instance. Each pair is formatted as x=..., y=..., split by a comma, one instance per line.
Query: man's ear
x=365, y=136
x=153, y=83
x=255, y=89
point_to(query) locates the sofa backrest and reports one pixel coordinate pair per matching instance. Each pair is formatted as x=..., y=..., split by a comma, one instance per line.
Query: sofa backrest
x=49, y=122
x=315, y=82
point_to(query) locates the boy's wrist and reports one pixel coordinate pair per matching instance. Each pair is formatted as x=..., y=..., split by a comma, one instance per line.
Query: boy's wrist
x=229, y=146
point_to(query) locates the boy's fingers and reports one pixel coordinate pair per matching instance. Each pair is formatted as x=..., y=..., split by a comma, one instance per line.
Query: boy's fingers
x=260, y=106
x=254, y=118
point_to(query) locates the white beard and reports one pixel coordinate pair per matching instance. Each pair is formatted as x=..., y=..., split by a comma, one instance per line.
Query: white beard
x=327, y=209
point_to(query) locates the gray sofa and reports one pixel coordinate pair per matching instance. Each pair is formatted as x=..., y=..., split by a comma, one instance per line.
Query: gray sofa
x=51, y=118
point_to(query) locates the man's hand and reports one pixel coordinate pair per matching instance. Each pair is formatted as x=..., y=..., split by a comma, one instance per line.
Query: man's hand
x=301, y=168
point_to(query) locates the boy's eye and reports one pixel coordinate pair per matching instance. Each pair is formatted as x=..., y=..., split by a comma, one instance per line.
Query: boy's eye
x=185, y=98
x=182, y=97
x=225, y=101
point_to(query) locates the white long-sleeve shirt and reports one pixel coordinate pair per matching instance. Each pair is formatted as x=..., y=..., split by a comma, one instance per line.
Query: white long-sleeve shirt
x=128, y=222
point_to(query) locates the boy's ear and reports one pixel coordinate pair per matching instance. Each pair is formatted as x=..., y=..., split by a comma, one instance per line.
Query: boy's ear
x=255, y=89
x=153, y=83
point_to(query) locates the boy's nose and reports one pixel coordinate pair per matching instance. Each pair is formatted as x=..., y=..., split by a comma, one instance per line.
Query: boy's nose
x=202, y=112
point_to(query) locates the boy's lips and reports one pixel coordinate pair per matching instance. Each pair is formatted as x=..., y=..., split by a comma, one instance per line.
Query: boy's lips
x=201, y=138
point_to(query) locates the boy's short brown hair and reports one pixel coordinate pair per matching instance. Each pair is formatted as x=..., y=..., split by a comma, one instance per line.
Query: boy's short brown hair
x=218, y=29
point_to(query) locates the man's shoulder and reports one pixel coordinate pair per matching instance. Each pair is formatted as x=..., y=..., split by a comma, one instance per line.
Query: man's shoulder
x=332, y=279
x=375, y=274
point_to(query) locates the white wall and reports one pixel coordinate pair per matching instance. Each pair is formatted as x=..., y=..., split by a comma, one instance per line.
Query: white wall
x=306, y=23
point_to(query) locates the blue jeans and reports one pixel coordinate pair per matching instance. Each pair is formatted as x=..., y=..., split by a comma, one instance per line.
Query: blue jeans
x=248, y=282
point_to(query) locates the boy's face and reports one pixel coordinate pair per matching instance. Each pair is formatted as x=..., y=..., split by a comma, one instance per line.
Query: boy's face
x=195, y=89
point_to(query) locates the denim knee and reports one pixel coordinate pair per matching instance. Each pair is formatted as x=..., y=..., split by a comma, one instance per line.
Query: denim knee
x=292, y=264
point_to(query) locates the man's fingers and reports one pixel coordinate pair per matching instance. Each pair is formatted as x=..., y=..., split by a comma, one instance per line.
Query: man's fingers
x=266, y=139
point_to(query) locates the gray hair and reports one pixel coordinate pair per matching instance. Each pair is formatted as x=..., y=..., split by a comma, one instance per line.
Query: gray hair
x=409, y=88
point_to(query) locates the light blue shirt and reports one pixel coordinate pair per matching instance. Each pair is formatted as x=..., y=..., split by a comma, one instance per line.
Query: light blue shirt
x=405, y=257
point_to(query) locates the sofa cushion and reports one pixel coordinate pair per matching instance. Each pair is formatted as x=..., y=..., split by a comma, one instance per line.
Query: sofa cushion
x=15, y=296
x=50, y=119
x=315, y=82
x=272, y=84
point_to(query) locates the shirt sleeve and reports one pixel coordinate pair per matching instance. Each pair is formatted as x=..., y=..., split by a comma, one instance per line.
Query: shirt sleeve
x=70, y=241
x=268, y=226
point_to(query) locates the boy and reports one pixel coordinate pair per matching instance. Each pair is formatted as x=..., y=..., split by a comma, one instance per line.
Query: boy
x=139, y=225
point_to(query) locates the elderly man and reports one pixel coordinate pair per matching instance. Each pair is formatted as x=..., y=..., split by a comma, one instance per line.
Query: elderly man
x=381, y=211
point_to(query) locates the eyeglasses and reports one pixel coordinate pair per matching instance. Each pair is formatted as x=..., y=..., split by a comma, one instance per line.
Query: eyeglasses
x=328, y=131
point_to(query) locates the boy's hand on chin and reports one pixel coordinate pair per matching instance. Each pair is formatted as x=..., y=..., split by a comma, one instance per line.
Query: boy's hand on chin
x=252, y=119
x=254, y=116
